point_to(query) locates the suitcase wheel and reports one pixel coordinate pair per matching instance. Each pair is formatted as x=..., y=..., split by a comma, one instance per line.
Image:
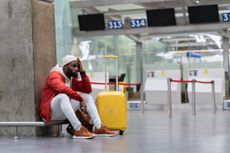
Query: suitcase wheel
x=121, y=132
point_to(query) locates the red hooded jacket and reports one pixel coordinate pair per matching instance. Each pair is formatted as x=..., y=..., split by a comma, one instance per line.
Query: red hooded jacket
x=55, y=84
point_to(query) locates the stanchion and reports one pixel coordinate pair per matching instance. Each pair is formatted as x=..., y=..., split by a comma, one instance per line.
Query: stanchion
x=169, y=97
x=169, y=100
x=213, y=96
x=193, y=97
x=213, y=93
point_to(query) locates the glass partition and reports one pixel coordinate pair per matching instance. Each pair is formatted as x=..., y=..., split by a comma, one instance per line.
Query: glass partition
x=158, y=52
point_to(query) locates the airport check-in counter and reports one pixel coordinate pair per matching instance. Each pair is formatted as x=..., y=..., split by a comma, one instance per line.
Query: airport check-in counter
x=204, y=91
x=156, y=87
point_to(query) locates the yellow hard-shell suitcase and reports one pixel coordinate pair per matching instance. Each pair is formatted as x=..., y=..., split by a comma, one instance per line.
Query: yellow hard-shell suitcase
x=112, y=110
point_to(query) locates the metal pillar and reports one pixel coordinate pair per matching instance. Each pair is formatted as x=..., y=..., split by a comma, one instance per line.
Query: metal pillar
x=225, y=46
x=139, y=62
x=139, y=76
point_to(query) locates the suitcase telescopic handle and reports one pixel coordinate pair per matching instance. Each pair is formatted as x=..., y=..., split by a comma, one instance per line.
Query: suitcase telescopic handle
x=114, y=57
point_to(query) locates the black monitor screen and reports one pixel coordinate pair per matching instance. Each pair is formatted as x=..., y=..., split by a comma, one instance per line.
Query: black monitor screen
x=203, y=14
x=91, y=22
x=161, y=17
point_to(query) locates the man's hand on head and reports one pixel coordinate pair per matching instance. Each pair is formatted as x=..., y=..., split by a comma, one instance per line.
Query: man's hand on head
x=80, y=67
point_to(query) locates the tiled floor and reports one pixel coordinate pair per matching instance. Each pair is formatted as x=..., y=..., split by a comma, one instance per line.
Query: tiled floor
x=151, y=132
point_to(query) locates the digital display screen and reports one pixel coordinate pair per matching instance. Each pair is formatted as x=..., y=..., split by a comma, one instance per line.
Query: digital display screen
x=203, y=14
x=161, y=17
x=91, y=22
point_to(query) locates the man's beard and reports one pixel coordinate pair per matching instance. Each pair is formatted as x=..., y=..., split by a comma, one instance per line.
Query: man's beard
x=72, y=74
x=75, y=74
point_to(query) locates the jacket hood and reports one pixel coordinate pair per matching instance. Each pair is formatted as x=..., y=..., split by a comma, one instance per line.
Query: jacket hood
x=59, y=68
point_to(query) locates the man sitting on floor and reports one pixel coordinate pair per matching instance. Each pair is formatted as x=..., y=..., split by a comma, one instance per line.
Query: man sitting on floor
x=64, y=93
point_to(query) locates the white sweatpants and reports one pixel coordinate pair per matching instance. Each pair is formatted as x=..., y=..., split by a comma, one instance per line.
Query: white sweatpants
x=62, y=107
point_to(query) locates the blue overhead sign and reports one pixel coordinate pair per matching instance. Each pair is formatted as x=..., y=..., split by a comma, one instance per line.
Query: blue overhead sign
x=226, y=17
x=193, y=55
x=137, y=23
x=115, y=24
